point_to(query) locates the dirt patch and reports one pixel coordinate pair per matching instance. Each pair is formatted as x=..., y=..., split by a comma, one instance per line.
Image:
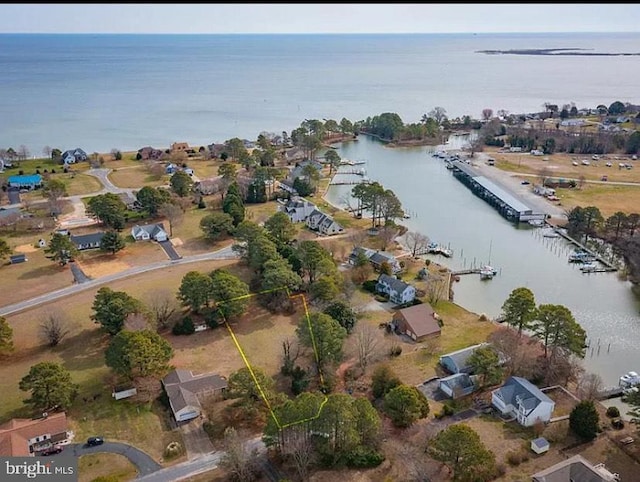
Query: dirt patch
x=176, y=242
x=96, y=267
x=26, y=248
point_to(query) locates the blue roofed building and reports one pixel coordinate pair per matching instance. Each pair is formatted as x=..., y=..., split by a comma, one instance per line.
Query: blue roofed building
x=30, y=181
x=457, y=361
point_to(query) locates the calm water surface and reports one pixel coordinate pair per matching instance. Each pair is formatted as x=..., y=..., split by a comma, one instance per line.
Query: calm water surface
x=448, y=212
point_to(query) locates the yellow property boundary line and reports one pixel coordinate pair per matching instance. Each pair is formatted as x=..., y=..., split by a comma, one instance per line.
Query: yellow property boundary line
x=248, y=365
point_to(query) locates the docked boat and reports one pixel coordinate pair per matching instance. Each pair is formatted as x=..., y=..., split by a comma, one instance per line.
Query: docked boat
x=550, y=233
x=487, y=272
x=629, y=379
x=536, y=222
x=435, y=248
x=580, y=256
x=588, y=267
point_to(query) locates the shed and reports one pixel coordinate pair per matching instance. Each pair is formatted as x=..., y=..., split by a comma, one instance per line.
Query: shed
x=17, y=258
x=540, y=445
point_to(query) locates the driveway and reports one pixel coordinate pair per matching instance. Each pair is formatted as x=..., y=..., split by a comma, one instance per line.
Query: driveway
x=78, y=274
x=170, y=250
x=13, y=195
x=196, y=440
x=143, y=462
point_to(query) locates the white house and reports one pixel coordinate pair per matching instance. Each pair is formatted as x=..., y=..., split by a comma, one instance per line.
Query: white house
x=298, y=209
x=323, y=223
x=399, y=292
x=523, y=400
x=185, y=390
x=149, y=231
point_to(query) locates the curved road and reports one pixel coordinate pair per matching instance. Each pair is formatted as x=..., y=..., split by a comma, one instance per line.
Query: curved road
x=143, y=462
x=224, y=253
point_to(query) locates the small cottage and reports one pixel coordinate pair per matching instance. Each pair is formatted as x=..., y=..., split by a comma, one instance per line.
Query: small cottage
x=540, y=445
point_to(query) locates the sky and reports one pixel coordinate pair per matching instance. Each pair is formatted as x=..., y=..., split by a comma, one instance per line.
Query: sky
x=317, y=18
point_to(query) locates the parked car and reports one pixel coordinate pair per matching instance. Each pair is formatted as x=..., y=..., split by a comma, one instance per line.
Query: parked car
x=95, y=441
x=604, y=178
x=56, y=449
x=525, y=182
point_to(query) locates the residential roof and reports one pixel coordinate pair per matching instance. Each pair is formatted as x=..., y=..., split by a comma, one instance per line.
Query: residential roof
x=26, y=179
x=380, y=257
x=182, y=387
x=517, y=390
x=420, y=319
x=150, y=229
x=91, y=238
x=574, y=468
x=458, y=380
x=540, y=442
x=394, y=283
x=460, y=357
x=16, y=433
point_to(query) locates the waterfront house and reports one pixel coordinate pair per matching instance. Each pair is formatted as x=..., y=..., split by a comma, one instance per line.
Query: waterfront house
x=376, y=258
x=149, y=153
x=298, y=209
x=298, y=171
x=575, y=469
x=398, y=291
x=186, y=390
x=294, y=154
x=87, y=241
x=170, y=169
x=23, y=437
x=146, y=232
x=419, y=322
x=323, y=223
x=73, y=155
x=31, y=181
x=456, y=361
x=457, y=385
x=524, y=401
x=179, y=147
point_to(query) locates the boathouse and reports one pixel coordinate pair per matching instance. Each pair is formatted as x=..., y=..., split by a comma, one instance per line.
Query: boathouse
x=505, y=202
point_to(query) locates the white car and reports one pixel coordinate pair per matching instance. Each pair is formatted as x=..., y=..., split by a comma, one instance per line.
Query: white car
x=575, y=163
x=585, y=162
x=609, y=164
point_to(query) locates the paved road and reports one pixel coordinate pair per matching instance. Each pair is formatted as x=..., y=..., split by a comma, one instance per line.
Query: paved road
x=224, y=253
x=143, y=462
x=196, y=466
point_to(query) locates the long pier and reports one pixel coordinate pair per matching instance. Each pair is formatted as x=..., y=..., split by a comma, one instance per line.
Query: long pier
x=608, y=266
x=466, y=271
x=608, y=393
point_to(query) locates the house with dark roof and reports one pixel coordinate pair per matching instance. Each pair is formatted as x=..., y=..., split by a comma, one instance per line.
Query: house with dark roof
x=323, y=223
x=376, y=258
x=575, y=469
x=298, y=209
x=457, y=361
x=22, y=437
x=73, y=155
x=87, y=241
x=398, y=291
x=298, y=170
x=419, y=322
x=185, y=391
x=294, y=154
x=30, y=181
x=149, y=153
x=457, y=385
x=208, y=186
x=146, y=232
x=524, y=401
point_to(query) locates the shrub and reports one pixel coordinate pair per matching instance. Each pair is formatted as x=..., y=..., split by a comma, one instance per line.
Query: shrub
x=174, y=449
x=212, y=318
x=514, y=459
x=613, y=412
x=184, y=327
x=395, y=350
x=362, y=458
x=370, y=285
x=448, y=410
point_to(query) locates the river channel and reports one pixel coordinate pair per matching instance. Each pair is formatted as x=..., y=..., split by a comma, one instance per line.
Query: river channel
x=445, y=210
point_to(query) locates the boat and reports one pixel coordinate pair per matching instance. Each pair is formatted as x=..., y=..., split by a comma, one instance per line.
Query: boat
x=588, y=267
x=435, y=248
x=487, y=272
x=550, y=234
x=581, y=256
x=536, y=222
x=448, y=165
x=629, y=379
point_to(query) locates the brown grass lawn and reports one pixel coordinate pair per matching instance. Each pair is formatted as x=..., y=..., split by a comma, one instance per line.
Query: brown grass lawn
x=564, y=402
x=105, y=465
x=608, y=198
x=135, y=177
x=188, y=236
x=78, y=184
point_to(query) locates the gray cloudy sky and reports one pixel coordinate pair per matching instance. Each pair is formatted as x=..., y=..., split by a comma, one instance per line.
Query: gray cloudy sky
x=317, y=18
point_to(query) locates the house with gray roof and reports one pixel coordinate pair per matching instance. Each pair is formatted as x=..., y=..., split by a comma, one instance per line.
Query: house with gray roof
x=87, y=241
x=456, y=361
x=524, y=401
x=146, y=232
x=575, y=469
x=398, y=291
x=298, y=209
x=376, y=258
x=73, y=155
x=457, y=385
x=186, y=390
x=323, y=223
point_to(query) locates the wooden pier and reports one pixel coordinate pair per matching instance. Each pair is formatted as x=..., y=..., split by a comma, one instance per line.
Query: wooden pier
x=607, y=393
x=608, y=267
x=466, y=271
x=349, y=182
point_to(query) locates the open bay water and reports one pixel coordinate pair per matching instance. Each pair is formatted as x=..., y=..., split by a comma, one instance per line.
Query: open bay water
x=100, y=92
x=444, y=209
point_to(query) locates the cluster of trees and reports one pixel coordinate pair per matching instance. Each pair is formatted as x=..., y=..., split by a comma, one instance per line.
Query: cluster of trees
x=382, y=204
x=390, y=127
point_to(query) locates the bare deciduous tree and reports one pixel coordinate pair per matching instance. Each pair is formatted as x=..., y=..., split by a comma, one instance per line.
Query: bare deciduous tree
x=162, y=304
x=173, y=213
x=366, y=344
x=437, y=289
x=386, y=234
x=544, y=174
x=302, y=452
x=589, y=386
x=416, y=242
x=47, y=150
x=238, y=460
x=54, y=328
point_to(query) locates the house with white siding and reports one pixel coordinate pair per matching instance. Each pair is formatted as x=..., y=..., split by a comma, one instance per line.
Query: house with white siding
x=398, y=291
x=524, y=401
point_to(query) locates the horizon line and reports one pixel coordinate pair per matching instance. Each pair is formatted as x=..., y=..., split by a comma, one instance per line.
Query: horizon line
x=324, y=33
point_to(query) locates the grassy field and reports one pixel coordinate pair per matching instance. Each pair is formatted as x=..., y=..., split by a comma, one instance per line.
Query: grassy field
x=134, y=177
x=608, y=198
x=115, y=466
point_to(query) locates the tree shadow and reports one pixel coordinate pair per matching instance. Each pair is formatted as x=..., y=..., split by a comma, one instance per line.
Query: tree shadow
x=83, y=351
x=42, y=272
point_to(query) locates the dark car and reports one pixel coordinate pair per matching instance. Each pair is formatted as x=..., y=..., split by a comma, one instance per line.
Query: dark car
x=94, y=441
x=56, y=449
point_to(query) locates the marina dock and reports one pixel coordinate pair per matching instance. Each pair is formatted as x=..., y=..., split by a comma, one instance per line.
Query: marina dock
x=607, y=266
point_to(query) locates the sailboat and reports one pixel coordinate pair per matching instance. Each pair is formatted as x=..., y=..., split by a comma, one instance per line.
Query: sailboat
x=487, y=271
